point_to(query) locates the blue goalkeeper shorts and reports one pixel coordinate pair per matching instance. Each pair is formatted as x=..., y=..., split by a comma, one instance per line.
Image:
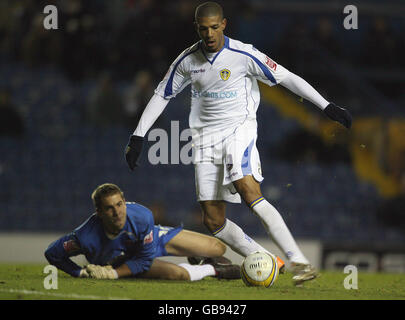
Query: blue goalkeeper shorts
x=164, y=235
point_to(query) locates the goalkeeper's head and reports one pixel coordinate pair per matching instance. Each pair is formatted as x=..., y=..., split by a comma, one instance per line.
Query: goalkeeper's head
x=110, y=205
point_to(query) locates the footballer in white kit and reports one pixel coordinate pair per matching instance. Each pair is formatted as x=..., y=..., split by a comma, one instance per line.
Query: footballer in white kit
x=224, y=100
x=223, y=75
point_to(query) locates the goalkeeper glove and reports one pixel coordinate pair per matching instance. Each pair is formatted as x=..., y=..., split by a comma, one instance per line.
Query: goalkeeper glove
x=101, y=272
x=133, y=151
x=338, y=114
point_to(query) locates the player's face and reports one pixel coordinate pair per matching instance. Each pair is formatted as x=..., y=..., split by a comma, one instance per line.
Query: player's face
x=113, y=212
x=211, y=31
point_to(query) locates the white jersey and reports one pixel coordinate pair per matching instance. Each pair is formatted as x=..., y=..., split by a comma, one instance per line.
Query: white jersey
x=224, y=89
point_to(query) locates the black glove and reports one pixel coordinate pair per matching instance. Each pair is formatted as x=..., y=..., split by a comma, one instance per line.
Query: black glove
x=133, y=151
x=338, y=114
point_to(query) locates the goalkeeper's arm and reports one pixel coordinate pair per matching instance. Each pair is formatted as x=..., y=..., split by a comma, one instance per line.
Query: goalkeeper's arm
x=128, y=269
x=108, y=272
x=59, y=252
x=123, y=271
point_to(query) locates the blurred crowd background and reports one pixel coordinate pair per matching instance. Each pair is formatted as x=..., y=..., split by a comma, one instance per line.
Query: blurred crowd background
x=70, y=98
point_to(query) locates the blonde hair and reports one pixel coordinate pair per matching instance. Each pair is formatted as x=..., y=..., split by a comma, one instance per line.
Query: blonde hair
x=105, y=190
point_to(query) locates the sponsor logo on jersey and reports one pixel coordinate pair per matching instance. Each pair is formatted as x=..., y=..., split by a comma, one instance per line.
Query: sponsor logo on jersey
x=271, y=64
x=163, y=230
x=148, y=238
x=225, y=74
x=198, y=71
x=214, y=95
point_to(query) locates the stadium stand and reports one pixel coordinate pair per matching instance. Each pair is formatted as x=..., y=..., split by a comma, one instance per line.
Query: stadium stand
x=47, y=175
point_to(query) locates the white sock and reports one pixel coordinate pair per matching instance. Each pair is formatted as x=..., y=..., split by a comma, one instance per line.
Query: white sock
x=236, y=239
x=198, y=272
x=278, y=230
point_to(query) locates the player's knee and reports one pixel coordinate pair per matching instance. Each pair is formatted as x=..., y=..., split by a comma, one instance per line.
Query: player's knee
x=249, y=195
x=179, y=274
x=219, y=247
x=248, y=188
x=213, y=214
x=213, y=222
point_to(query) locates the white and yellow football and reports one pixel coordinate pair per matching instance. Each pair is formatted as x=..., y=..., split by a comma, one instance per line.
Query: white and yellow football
x=259, y=269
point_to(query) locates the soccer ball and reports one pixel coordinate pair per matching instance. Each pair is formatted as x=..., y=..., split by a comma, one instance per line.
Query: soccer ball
x=259, y=269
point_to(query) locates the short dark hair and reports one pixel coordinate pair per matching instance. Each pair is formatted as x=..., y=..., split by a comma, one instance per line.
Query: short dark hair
x=105, y=190
x=208, y=9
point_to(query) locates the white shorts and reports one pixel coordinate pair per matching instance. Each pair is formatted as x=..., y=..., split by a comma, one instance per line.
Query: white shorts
x=217, y=166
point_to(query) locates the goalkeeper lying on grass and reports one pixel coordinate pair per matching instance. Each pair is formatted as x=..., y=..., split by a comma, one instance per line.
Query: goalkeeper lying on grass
x=121, y=240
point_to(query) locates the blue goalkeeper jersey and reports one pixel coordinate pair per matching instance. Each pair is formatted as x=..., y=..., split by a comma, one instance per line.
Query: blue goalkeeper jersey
x=136, y=245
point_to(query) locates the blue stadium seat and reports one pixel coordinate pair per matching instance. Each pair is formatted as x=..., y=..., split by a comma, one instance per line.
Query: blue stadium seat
x=57, y=174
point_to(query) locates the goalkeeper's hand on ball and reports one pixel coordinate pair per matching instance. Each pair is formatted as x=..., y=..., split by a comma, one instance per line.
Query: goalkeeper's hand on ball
x=133, y=151
x=101, y=272
x=338, y=114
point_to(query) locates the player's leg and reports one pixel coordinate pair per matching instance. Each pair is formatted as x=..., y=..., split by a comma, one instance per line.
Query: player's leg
x=180, y=242
x=275, y=226
x=249, y=189
x=214, y=212
x=226, y=230
x=211, y=194
x=243, y=169
x=165, y=270
x=189, y=243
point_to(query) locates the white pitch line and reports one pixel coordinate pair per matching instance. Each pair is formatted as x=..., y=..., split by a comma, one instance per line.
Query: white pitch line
x=62, y=295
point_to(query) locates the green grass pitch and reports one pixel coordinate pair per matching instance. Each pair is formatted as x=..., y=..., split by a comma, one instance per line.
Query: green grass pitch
x=24, y=281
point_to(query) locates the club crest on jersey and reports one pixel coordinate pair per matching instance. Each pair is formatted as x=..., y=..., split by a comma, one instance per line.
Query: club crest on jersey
x=225, y=74
x=148, y=238
x=71, y=246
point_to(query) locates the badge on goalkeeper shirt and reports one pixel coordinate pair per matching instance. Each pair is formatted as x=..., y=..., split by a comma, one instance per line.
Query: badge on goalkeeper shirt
x=148, y=238
x=71, y=246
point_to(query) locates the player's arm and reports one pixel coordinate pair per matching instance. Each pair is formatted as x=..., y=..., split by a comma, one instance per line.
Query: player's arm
x=141, y=257
x=144, y=254
x=175, y=80
x=123, y=271
x=268, y=71
x=59, y=252
x=138, y=264
x=128, y=269
x=303, y=89
x=153, y=110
